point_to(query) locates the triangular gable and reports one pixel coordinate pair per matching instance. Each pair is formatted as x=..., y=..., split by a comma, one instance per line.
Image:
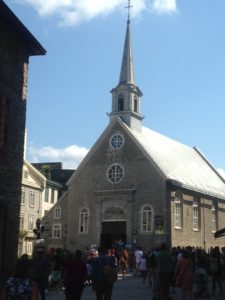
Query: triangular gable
x=182, y=165
x=94, y=148
x=35, y=174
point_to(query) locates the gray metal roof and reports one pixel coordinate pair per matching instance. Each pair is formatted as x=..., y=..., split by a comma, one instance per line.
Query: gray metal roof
x=127, y=66
x=183, y=165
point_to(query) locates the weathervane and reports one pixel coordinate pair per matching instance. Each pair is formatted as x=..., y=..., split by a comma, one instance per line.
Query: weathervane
x=129, y=6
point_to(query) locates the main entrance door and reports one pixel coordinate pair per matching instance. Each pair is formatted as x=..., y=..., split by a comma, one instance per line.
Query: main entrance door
x=112, y=232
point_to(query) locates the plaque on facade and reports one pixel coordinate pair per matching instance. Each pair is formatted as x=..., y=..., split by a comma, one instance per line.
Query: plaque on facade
x=159, y=224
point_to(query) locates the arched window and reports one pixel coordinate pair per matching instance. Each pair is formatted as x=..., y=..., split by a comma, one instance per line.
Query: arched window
x=135, y=105
x=177, y=213
x=120, y=103
x=83, y=220
x=146, y=218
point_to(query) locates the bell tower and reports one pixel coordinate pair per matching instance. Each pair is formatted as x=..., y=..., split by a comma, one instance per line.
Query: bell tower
x=126, y=96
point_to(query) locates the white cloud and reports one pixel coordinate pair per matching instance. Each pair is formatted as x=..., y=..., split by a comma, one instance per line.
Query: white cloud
x=222, y=172
x=70, y=156
x=164, y=6
x=73, y=12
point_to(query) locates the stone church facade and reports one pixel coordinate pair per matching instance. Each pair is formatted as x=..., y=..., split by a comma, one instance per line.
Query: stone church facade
x=138, y=186
x=16, y=45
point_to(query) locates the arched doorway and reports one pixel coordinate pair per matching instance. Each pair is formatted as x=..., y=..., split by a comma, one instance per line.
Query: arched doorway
x=113, y=227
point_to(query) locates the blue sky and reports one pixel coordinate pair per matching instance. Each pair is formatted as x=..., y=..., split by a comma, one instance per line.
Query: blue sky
x=179, y=60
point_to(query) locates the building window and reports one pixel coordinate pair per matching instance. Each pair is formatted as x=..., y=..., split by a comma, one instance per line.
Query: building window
x=25, y=174
x=4, y=116
x=21, y=224
x=57, y=213
x=177, y=213
x=52, y=195
x=214, y=219
x=83, y=221
x=32, y=199
x=115, y=173
x=23, y=197
x=120, y=103
x=135, y=105
x=30, y=222
x=29, y=248
x=46, y=194
x=146, y=224
x=56, y=232
x=116, y=141
x=195, y=216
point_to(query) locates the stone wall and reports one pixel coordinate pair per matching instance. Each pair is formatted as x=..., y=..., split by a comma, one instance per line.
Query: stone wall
x=13, y=86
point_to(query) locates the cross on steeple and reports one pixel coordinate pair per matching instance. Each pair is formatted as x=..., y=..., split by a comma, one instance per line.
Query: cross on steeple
x=129, y=6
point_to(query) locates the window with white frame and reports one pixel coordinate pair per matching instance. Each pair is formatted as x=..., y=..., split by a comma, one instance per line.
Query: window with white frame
x=23, y=197
x=30, y=222
x=83, y=220
x=146, y=218
x=214, y=220
x=31, y=199
x=46, y=194
x=57, y=213
x=177, y=213
x=29, y=248
x=56, y=231
x=195, y=216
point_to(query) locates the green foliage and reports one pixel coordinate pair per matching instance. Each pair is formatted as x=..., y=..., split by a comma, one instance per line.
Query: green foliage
x=22, y=233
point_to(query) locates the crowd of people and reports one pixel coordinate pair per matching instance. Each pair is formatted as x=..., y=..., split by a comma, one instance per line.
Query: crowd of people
x=164, y=270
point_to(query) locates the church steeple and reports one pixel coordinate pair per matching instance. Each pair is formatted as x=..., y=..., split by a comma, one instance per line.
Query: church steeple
x=126, y=96
x=127, y=67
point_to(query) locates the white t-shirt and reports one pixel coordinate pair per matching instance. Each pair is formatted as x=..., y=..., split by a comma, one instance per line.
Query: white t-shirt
x=138, y=255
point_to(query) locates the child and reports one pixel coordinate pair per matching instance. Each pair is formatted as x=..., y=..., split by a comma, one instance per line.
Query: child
x=143, y=267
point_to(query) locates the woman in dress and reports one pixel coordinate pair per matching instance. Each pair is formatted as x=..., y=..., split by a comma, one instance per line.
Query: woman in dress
x=21, y=286
x=184, y=275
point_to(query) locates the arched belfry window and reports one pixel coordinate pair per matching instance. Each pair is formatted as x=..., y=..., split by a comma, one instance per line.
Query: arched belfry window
x=135, y=105
x=120, y=102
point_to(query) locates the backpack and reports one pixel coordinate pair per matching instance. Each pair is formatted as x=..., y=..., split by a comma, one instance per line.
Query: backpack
x=109, y=274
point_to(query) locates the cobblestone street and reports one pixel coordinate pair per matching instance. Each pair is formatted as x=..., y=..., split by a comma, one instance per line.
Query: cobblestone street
x=131, y=288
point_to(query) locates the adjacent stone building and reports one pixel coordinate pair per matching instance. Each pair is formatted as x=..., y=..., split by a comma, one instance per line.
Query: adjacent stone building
x=32, y=196
x=137, y=185
x=42, y=185
x=16, y=45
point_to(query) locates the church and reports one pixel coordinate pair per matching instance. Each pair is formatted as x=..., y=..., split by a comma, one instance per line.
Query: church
x=136, y=186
